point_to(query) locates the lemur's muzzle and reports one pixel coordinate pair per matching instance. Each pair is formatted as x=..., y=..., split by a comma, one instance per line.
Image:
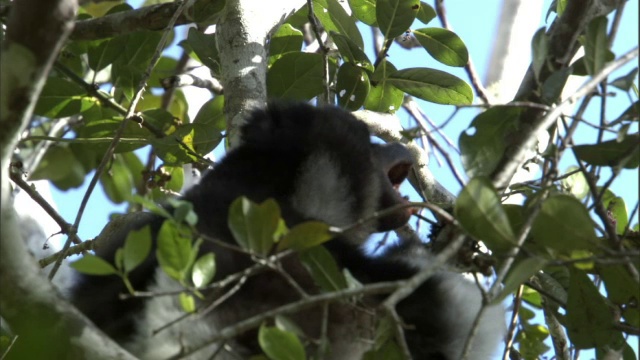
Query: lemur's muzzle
x=395, y=161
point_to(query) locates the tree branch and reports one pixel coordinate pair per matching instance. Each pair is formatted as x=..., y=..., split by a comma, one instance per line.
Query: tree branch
x=242, y=35
x=154, y=17
x=525, y=139
x=35, y=33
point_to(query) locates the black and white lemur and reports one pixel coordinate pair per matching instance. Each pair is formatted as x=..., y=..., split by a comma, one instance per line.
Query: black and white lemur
x=318, y=164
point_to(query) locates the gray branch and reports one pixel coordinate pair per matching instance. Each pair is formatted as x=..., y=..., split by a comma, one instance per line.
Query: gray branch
x=35, y=33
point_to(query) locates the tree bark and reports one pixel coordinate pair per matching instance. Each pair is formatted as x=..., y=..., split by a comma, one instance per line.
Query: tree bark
x=36, y=31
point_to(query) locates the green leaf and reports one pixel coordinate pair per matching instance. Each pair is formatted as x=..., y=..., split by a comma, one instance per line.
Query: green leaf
x=62, y=98
x=622, y=290
x=172, y=179
x=187, y=302
x=364, y=10
x=589, y=320
x=612, y=152
x=426, y=13
x=432, y=85
x=333, y=17
x=118, y=181
x=136, y=248
x=625, y=83
x=174, y=249
x=61, y=167
x=205, y=48
x=171, y=151
x=539, y=49
x=631, y=114
x=287, y=324
x=286, y=39
x=296, y=76
x=554, y=84
x=106, y=127
x=580, y=67
x=564, y=224
x=595, y=46
x=152, y=206
x=102, y=54
x=212, y=114
x=254, y=225
x=136, y=53
x=396, y=16
x=204, y=270
x=352, y=87
x=165, y=68
x=479, y=211
x=520, y=272
x=350, y=52
x=323, y=268
x=481, y=150
x=93, y=265
x=279, y=344
x=617, y=207
x=207, y=12
x=444, y=45
x=305, y=235
x=383, y=97
x=576, y=184
x=183, y=210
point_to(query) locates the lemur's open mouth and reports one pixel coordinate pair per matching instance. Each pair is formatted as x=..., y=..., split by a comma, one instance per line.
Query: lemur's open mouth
x=396, y=161
x=398, y=173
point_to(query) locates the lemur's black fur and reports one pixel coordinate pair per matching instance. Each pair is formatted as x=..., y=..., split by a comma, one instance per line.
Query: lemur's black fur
x=317, y=163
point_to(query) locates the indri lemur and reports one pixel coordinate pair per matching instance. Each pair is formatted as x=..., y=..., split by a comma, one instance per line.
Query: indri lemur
x=318, y=164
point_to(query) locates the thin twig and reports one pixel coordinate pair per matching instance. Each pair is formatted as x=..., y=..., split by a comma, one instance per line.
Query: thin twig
x=517, y=302
x=65, y=227
x=232, y=331
x=526, y=139
x=129, y=115
x=469, y=67
x=315, y=26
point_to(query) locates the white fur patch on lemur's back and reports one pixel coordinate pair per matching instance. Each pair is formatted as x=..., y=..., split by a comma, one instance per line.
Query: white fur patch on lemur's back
x=184, y=334
x=322, y=192
x=464, y=301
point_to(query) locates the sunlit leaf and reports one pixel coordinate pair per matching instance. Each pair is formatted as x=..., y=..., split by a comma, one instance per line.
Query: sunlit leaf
x=564, y=224
x=305, y=235
x=432, y=85
x=352, y=86
x=364, y=10
x=396, y=16
x=136, y=248
x=350, y=52
x=383, y=97
x=93, y=265
x=296, y=76
x=254, y=225
x=444, y=45
x=323, y=268
x=333, y=17
x=204, y=269
x=479, y=211
x=187, y=302
x=174, y=249
x=280, y=344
